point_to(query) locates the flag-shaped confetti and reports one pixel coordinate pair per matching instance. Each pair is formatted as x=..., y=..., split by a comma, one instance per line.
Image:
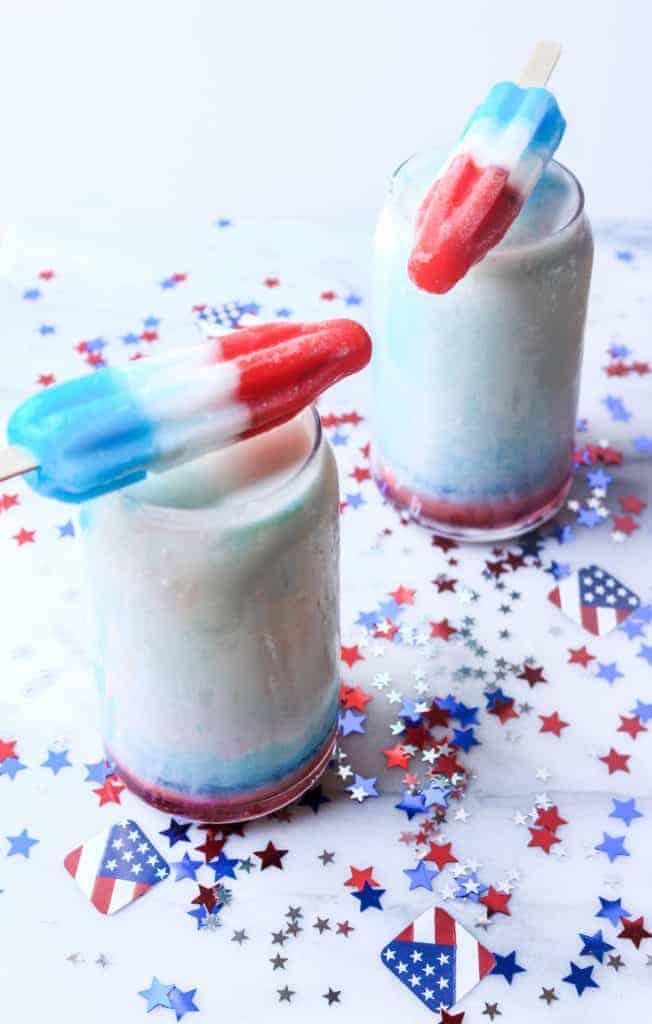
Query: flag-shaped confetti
x=437, y=959
x=228, y=316
x=594, y=599
x=116, y=866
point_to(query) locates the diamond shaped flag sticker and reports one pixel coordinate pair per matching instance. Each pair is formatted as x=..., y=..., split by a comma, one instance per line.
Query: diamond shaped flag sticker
x=116, y=866
x=437, y=959
x=594, y=599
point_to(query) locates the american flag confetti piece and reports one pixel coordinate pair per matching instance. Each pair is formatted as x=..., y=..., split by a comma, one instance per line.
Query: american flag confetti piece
x=594, y=599
x=116, y=866
x=437, y=959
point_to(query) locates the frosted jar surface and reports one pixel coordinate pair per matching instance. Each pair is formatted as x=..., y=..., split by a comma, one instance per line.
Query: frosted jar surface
x=475, y=391
x=215, y=590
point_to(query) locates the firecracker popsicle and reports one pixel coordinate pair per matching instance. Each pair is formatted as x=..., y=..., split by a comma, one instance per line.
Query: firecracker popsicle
x=105, y=431
x=483, y=185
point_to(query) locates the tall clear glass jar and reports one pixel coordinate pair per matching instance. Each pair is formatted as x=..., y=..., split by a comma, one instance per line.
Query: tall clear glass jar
x=215, y=594
x=475, y=391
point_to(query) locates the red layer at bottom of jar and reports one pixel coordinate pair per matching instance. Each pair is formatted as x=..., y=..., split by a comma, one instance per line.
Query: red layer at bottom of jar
x=507, y=517
x=236, y=807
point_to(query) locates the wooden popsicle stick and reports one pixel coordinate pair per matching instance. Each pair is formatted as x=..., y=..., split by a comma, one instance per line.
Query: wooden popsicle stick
x=541, y=64
x=15, y=462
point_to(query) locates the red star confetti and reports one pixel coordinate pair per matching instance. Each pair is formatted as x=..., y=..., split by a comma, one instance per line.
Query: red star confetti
x=7, y=749
x=442, y=630
x=397, y=757
x=354, y=698
x=25, y=537
x=403, y=595
x=211, y=847
x=532, y=675
x=451, y=1018
x=46, y=379
x=495, y=902
x=552, y=723
x=615, y=762
x=440, y=854
x=8, y=501
x=270, y=857
x=630, y=503
x=110, y=792
x=328, y=296
x=632, y=726
x=445, y=543
x=443, y=583
x=634, y=930
x=543, y=838
x=496, y=569
x=206, y=897
x=46, y=275
x=549, y=817
x=503, y=710
x=361, y=875
x=360, y=474
x=350, y=655
x=271, y=282
x=580, y=656
x=625, y=524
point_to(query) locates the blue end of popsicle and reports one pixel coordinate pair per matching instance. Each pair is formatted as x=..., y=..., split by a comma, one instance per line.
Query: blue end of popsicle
x=507, y=101
x=89, y=436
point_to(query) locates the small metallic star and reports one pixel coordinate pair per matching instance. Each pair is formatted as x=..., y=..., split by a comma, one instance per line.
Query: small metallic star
x=285, y=994
x=76, y=958
x=616, y=961
x=246, y=865
x=102, y=960
x=491, y=1010
x=278, y=938
x=294, y=929
x=294, y=913
x=549, y=995
x=326, y=857
x=525, y=708
x=322, y=924
x=240, y=937
x=278, y=961
x=332, y=996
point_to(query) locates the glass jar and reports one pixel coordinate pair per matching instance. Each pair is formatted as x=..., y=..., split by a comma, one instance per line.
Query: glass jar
x=475, y=391
x=215, y=592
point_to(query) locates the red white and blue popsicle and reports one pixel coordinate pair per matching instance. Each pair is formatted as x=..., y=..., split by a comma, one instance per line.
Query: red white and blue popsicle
x=487, y=178
x=99, y=433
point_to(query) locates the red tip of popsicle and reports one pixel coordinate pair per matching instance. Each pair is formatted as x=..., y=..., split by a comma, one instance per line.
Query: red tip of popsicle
x=280, y=380
x=464, y=215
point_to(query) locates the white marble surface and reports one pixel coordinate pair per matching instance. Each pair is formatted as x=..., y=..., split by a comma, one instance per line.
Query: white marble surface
x=106, y=284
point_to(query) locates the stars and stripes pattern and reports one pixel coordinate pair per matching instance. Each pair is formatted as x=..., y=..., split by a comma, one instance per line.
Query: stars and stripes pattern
x=594, y=599
x=229, y=315
x=116, y=866
x=437, y=959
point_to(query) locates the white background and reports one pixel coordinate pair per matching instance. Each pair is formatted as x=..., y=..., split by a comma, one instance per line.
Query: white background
x=161, y=108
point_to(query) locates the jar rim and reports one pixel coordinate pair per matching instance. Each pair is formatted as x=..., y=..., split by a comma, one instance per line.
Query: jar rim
x=208, y=514
x=506, y=252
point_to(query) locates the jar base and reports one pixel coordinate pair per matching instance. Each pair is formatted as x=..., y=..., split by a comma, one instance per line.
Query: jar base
x=475, y=523
x=222, y=810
